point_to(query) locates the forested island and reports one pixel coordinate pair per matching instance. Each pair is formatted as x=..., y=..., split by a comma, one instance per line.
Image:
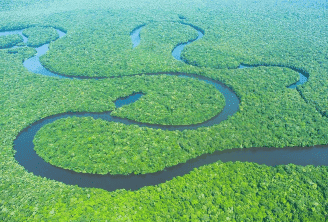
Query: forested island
x=255, y=49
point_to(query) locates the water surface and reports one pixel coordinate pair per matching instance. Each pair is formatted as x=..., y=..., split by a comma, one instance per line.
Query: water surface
x=27, y=157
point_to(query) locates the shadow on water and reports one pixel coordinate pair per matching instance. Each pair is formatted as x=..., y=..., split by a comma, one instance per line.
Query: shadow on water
x=27, y=157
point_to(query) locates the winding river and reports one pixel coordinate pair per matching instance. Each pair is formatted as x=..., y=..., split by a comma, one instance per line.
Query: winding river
x=28, y=158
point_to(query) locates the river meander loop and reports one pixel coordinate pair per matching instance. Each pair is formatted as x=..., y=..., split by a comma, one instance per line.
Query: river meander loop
x=28, y=158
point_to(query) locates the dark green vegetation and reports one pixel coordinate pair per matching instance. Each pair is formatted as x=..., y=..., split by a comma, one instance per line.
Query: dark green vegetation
x=270, y=114
x=10, y=40
x=38, y=36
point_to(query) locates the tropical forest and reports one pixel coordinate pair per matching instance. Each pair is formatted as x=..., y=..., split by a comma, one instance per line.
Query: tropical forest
x=200, y=110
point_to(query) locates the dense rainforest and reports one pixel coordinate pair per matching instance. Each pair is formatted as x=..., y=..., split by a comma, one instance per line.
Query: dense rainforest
x=38, y=36
x=8, y=41
x=279, y=34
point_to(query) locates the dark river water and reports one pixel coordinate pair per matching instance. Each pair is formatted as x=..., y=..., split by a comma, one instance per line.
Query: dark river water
x=27, y=157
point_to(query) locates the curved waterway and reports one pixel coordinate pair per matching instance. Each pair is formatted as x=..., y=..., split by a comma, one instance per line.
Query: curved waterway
x=135, y=35
x=27, y=157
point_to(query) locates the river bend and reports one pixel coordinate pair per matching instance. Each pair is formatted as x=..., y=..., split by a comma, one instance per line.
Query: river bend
x=27, y=157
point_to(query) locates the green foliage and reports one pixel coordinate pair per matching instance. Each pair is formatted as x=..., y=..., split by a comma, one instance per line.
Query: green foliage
x=22, y=53
x=38, y=36
x=216, y=192
x=17, y=4
x=208, y=55
x=281, y=33
x=21, y=44
x=270, y=114
x=83, y=150
x=107, y=52
x=172, y=100
x=10, y=41
x=101, y=147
